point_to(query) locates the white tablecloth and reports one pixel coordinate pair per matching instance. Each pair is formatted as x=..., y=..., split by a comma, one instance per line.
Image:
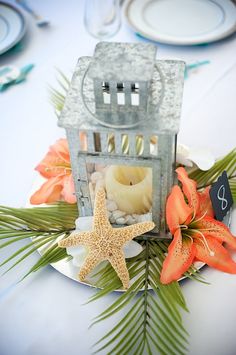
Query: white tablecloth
x=45, y=314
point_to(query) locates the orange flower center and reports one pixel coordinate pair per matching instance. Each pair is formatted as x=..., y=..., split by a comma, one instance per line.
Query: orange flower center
x=191, y=232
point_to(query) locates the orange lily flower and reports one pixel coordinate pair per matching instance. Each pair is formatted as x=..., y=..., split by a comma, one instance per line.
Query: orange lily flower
x=56, y=168
x=196, y=234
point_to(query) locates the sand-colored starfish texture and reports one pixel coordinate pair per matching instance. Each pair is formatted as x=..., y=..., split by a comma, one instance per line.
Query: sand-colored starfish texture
x=105, y=242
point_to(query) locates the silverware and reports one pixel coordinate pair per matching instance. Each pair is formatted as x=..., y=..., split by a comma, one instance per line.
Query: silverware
x=40, y=21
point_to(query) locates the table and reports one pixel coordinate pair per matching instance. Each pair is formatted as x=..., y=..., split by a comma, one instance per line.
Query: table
x=45, y=314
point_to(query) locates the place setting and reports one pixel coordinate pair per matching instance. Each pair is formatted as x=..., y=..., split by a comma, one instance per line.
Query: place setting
x=13, y=29
x=119, y=204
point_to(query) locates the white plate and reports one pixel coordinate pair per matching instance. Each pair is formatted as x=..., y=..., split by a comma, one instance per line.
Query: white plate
x=12, y=26
x=68, y=269
x=182, y=22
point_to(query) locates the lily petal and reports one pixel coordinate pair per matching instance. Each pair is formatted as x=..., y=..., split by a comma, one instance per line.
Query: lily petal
x=210, y=227
x=180, y=257
x=79, y=254
x=132, y=249
x=52, y=166
x=203, y=158
x=61, y=149
x=205, y=205
x=50, y=191
x=189, y=187
x=221, y=259
x=182, y=155
x=68, y=191
x=56, y=161
x=177, y=210
x=48, y=167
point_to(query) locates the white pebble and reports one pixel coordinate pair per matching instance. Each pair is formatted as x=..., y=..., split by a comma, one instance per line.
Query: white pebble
x=118, y=214
x=129, y=220
x=145, y=217
x=135, y=217
x=112, y=219
x=120, y=220
x=111, y=205
x=96, y=176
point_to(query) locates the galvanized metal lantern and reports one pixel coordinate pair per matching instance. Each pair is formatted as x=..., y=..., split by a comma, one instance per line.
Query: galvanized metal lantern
x=121, y=117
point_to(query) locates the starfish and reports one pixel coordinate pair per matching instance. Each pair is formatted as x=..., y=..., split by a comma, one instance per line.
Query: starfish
x=105, y=242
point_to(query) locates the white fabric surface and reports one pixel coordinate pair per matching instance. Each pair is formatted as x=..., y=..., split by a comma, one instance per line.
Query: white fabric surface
x=45, y=314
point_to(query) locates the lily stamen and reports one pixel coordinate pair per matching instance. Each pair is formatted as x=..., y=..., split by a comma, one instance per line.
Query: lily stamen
x=56, y=168
x=204, y=241
x=189, y=236
x=200, y=218
x=183, y=226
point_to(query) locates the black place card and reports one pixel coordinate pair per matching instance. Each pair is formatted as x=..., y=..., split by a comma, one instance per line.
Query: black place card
x=221, y=196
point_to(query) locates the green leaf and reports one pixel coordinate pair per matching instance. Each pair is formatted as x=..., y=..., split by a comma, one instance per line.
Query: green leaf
x=154, y=315
x=228, y=163
x=57, y=96
x=42, y=226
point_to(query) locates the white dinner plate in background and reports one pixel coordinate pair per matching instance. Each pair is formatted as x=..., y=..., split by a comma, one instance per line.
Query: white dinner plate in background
x=12, y=26
x=182, y=22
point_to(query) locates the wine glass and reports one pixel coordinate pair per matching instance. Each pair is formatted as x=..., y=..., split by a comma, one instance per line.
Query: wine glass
x=102, y=18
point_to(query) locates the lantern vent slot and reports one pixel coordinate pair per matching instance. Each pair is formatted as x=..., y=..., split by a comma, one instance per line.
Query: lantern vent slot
x=154, y=145
x=120, y=93
x=111, y=144
x=125, y=144
x=139, y=145
x=97, y=142
x=106, y=93
x=135, y=94
x=83, y=141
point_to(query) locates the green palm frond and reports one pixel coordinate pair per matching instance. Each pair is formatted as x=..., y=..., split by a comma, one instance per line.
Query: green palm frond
x=153, y=323
x=57, y=96
x=41, y=226
x=227, y=163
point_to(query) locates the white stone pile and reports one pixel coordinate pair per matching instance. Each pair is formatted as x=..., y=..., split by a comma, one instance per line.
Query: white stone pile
x=97, y=180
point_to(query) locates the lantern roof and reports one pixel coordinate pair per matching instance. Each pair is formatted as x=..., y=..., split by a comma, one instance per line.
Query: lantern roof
x=162, y=92
x=123, y=61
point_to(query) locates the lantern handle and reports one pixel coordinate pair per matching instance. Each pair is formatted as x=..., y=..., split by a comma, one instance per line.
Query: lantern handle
x=94, y=116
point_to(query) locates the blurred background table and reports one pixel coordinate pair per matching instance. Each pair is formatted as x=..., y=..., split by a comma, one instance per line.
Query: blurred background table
x=45, y=314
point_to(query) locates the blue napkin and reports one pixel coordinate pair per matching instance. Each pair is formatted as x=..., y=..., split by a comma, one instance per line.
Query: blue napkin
x=11, y=76
x=194, y=65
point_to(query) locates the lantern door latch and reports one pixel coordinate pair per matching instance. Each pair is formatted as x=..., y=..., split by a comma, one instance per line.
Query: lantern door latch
x=83, y=195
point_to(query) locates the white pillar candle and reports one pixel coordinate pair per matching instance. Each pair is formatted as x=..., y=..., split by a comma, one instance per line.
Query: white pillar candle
x=130, y=188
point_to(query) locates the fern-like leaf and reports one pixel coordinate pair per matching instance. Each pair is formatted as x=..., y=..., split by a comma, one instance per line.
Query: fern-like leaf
x=57, y=96
x=153, y=323
x=227, y=163
x=42, y=226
